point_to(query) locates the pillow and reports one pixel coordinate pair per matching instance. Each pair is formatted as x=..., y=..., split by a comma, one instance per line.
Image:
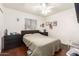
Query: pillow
x=26, y=35
x=37, y=34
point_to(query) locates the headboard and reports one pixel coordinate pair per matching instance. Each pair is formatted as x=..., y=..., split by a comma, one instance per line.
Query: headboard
x=23, y=32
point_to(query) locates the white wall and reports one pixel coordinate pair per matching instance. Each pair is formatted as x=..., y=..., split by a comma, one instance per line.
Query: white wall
x=9, y=20
x=67, y=27
x=1, y=26
x=11, y=23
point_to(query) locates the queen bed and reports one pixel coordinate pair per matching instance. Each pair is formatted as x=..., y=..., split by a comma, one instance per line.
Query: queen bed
x=41, y=45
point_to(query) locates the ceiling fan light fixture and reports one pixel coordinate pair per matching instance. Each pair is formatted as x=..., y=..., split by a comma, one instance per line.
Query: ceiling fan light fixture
x=45, y=9
x=45, y=12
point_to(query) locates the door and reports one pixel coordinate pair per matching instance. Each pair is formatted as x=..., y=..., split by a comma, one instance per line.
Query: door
x=1, y=26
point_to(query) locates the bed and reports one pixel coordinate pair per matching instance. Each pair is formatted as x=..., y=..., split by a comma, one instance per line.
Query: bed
x=41, y=45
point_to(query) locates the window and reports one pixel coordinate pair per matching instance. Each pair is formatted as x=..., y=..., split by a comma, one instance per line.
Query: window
x=30, y=24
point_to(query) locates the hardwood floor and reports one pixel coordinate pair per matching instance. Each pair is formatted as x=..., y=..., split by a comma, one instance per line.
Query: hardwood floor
x=61, y=52
x=19, y=51
x=22, y=51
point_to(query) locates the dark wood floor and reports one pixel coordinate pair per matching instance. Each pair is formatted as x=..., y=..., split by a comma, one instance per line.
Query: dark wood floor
x=61, y=52
x=22, y=51
x=19, y=51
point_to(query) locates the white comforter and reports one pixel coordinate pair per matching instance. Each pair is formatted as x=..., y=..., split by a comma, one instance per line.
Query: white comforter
x=41, y=45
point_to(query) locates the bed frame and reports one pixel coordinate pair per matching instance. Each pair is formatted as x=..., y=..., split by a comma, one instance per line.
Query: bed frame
x=23, y=32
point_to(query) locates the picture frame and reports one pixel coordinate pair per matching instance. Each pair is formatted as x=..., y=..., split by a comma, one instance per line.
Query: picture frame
x=54, y=23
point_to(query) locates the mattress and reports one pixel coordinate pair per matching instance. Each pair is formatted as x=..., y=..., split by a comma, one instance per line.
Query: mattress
x=41, y=45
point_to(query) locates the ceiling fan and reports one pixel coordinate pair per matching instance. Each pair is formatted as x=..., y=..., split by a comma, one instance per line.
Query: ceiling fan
x=45, y=8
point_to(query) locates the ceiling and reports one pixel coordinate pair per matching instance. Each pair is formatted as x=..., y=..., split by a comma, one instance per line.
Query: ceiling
x=34, y=8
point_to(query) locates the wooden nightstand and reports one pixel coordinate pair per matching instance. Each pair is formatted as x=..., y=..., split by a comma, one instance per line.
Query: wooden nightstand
x=45, y=33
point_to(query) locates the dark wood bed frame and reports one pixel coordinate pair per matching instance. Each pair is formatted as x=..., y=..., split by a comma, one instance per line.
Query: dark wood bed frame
x=23, y=32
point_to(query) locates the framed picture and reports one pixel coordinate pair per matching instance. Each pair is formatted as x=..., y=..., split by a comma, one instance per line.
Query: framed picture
x=54, y=23
x=50, y=25
x=42, y=25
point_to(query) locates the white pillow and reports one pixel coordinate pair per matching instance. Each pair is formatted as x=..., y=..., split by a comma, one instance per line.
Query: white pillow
x=26, y=35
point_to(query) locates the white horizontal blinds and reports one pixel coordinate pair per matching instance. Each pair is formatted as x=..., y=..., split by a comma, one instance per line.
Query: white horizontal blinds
x=30, y=24
x=33, y=24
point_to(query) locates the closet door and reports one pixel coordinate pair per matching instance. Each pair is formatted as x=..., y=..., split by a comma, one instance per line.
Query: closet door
x=77, y=11
x=1, y=26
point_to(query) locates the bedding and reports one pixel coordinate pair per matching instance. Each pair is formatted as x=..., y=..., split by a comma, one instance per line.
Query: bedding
x=41, y=45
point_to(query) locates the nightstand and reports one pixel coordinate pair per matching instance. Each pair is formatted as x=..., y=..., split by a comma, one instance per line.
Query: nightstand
x=44, y=33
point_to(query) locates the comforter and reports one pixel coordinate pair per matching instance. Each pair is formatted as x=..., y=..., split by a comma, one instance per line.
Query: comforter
x=41, y=45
